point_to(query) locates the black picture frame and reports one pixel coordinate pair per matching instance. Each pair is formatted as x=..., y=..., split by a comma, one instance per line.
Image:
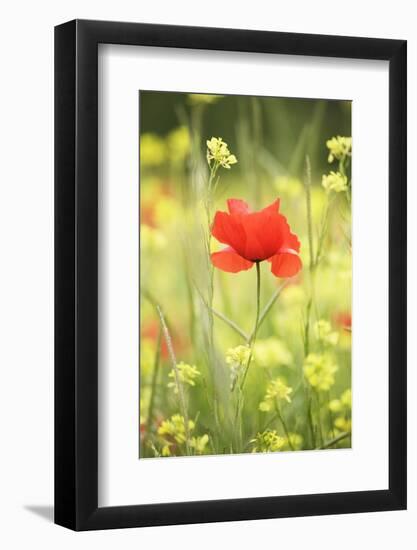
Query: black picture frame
x=76, y=272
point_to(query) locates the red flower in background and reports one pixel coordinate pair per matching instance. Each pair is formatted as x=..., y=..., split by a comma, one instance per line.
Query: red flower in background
x=343, y=319
x=254, y=237
x=150, y=330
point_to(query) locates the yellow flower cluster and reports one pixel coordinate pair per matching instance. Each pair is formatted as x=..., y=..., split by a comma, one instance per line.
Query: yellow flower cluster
x=187, y=374
x=339, y=148
x=218, y=151
x=237, y=358
x=199, y=443
x=172, y=431
x=335, y=181
x=343, y=424
x=324, y=333
x=277, y=390
x=319, y=370
x=342, y=404
x=174, y=428
x=267, y=442
x=271, y=352
x=342, y=407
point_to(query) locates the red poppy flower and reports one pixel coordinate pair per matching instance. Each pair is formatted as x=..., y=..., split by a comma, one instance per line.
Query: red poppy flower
x=254, y=237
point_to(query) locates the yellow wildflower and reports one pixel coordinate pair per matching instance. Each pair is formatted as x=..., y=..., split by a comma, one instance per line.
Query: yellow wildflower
x=319, y=371
x=343, y=424
x=342, y=404
x=218, y=151
x=267, y=442
x=237, y=358
x=276, y=390
x=199, y=443
x=335, y=181
x=339, y=148
x=187, y=374
x=324, y=333
x=174, y=428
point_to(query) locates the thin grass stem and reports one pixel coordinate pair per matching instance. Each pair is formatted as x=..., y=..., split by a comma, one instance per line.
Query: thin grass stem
x=155, y=373
x=181, y=393
x=284, y=425
x=335, y=440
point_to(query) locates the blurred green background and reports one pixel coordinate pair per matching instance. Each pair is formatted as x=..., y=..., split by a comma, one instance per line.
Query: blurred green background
x=291, y=127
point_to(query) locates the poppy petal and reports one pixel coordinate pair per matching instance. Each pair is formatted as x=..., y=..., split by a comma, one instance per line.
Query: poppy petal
x=272, y=208
x=227, y=229
x=286, y=263
x=292, y=242
x=228, y=260
x=237, y=206
x=266, y=232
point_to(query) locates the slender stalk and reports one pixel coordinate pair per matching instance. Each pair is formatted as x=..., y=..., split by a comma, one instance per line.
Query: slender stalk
x=189, y=289
x=284, y=425
x=247, y=337
x=320, y=426
x=178, y=382
x=268, y=306
x=311, y=297
x=335, y=440
x=331, y=418
x=310, y=421
x=309, y=212
x=231, y=324
x=239, y=404
x=258, y=302
x=153, y=383
x=256, y=325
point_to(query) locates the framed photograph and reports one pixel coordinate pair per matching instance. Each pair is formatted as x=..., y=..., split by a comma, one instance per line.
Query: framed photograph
x=230, y=253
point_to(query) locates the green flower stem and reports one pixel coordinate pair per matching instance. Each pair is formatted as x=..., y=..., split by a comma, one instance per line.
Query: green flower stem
x=331, y=418
x=231, y=324
x=335, y=440
x=319, y=421
x=284, y=425
x=208, y=204
x=239, y=404
x=310, y=420
x=258, y=302
x=267, y=308
x=223, y=317
x=181, y=393
x=153, y=384
x=248, y=337
x=311, y=297
x=256, y=326
x=309, y=212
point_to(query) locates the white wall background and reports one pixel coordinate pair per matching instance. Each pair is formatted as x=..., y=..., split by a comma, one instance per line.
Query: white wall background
x=26, y=273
